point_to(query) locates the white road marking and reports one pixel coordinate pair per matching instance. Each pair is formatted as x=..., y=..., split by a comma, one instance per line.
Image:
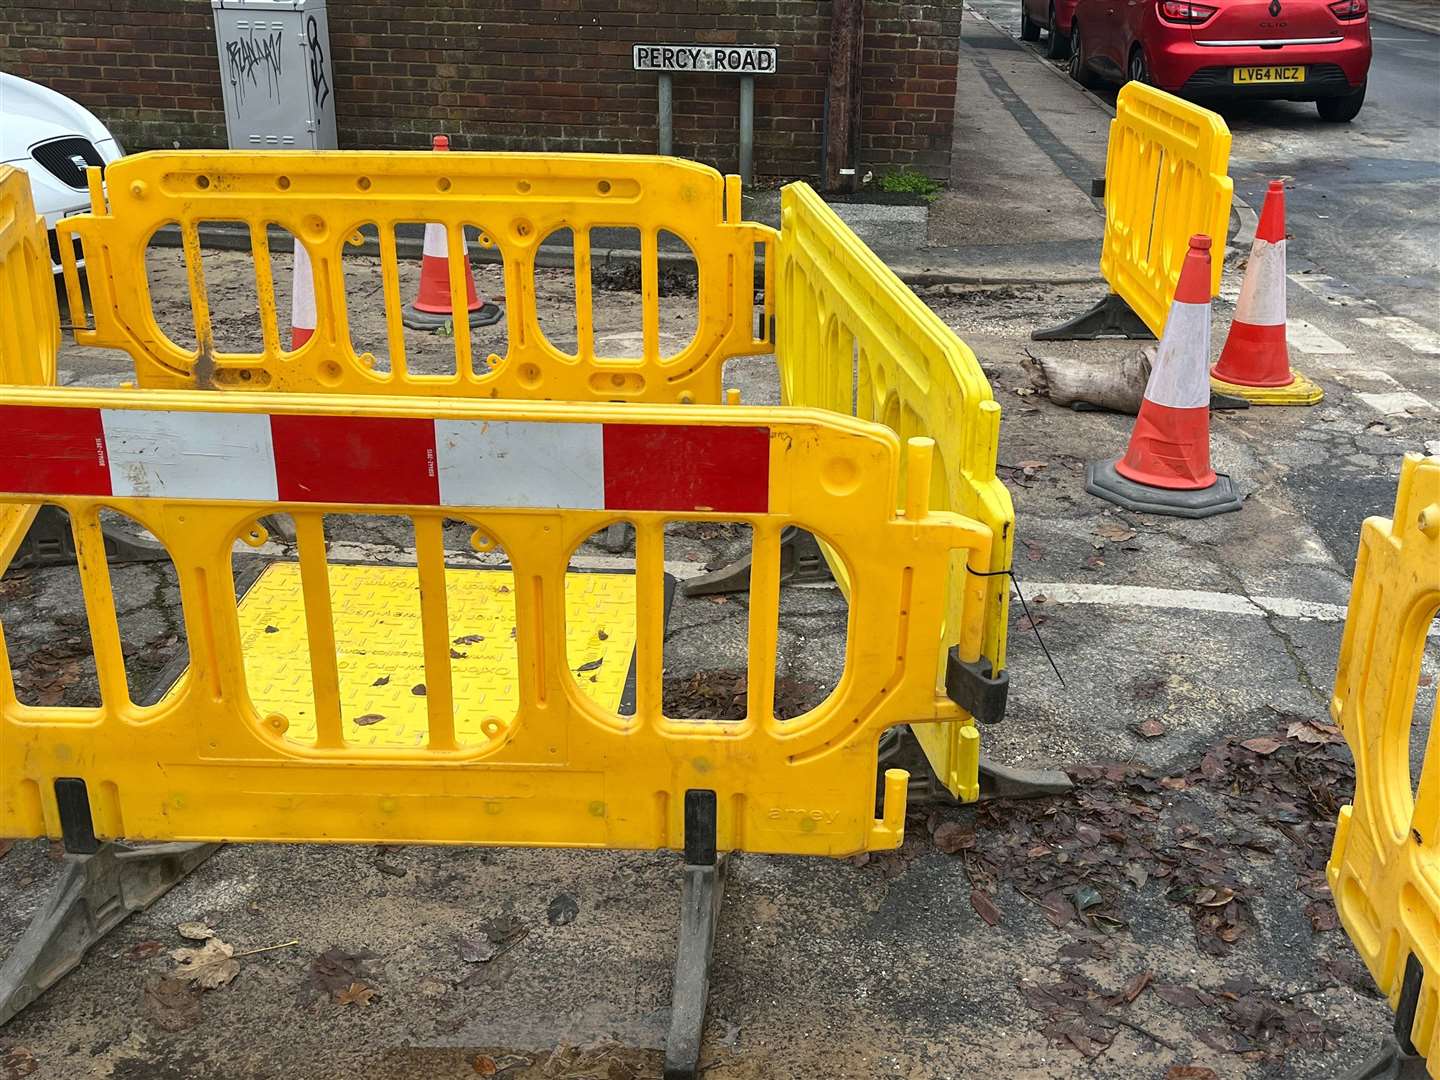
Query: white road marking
x=1322, y=285
x=1405, y=331
x=1309, y=338
x=1146, y=596
x=1397, y=403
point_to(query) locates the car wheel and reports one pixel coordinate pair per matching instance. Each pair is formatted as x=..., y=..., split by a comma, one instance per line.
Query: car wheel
x=1342, y=109
x=1079, y=69
x=1057, y=45
x=1029, y=31
x=1139, y=70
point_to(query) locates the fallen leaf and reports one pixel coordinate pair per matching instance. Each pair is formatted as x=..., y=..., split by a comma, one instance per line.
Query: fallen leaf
x=562, y=910
x=1191, y=1072
x=17, y=1062
x=144, y=950
x=985, y=907
x=718, y=599
x=1264, y=745
x=1214, y=897
x=470, y=639
x=171, y=1004
x=1151, y=729
x=1115, y=531
x=1184, y=997
x=485, y=1065
x=272, y=629
x=1223, y=1038
x=383, y=680
x=430, y=987
x=951, y=837
x=355, y=994
x=1322, y=916
x=195, y=931
x=1031, y=464
x=418, y=689
x=456, y=654
x=602, y=635
x=209, y=967
x=335, y=969
x=368, y=719
x=1136, y=986
x=592, y=665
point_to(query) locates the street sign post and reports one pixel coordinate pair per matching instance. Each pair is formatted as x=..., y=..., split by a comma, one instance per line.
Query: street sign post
x=746, y=61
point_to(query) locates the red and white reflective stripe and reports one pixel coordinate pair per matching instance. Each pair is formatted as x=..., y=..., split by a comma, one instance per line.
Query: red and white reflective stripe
x=436, y=245
x=302, y=298
x=1180, y=376
x=406, y=461
x=1262, y=293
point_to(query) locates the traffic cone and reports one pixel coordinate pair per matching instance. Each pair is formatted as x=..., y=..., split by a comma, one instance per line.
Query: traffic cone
x=1166, y=469
x=431, y=308
x=302, y=298
x=1255, y=363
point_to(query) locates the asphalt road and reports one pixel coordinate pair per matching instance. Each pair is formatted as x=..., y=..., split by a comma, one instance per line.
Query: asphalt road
x=1365, y=202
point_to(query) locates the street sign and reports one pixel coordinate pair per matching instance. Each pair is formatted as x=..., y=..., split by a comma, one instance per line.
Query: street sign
x=725, y=59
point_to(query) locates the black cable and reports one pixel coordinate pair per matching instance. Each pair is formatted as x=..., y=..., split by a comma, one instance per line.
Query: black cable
x=1025, y=608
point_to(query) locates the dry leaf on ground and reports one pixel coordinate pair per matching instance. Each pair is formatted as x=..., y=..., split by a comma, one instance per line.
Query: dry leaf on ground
x=1115, y=530
x=951, y=836
x=195, y=931
x=209, y=967
x=143, y=950
x=985, y=907
x=17, y=1062
x=355, y=994
x=171, y=1004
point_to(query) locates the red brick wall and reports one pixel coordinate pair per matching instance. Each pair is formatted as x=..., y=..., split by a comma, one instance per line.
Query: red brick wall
x=515, y=74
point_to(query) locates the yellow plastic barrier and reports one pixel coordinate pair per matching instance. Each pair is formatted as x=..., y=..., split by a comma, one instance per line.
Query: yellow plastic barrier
x=1166, y=179
x=199, y=470
x=29, y=318
x=1384, y=870
x=853, y=339
x=515, y=201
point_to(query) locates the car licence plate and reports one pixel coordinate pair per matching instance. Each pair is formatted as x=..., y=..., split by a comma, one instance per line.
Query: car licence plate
x=1269, y=74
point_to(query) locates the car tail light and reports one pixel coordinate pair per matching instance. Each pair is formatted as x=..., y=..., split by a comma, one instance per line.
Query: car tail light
x=1350, y=9
x=1182, y=11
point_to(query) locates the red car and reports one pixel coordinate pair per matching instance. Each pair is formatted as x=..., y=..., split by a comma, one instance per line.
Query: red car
x=1298, y=50
x=1052, y=16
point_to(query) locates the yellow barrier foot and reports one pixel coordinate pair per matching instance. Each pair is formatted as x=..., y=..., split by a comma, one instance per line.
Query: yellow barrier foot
x=1220, y=497
x=801, y=561
x=96, y=893
x=1007, y=782
x=1298, y=391
x=899, y=749
x=1111, y=317
x=700, y=900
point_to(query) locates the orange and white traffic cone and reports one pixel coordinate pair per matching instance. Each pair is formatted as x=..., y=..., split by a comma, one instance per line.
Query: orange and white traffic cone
x=431, y=308
x=1166, y=469
x=302, y=298
x=1255, y=363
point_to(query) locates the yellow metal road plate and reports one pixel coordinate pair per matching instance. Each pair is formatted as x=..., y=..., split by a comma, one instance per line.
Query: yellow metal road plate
x=1274, y=73
x=380, y=651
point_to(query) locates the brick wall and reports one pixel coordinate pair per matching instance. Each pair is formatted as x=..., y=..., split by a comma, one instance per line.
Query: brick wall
x=515, y=74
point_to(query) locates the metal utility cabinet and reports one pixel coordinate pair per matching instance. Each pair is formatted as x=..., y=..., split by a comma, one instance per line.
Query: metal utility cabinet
x=276, y=75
